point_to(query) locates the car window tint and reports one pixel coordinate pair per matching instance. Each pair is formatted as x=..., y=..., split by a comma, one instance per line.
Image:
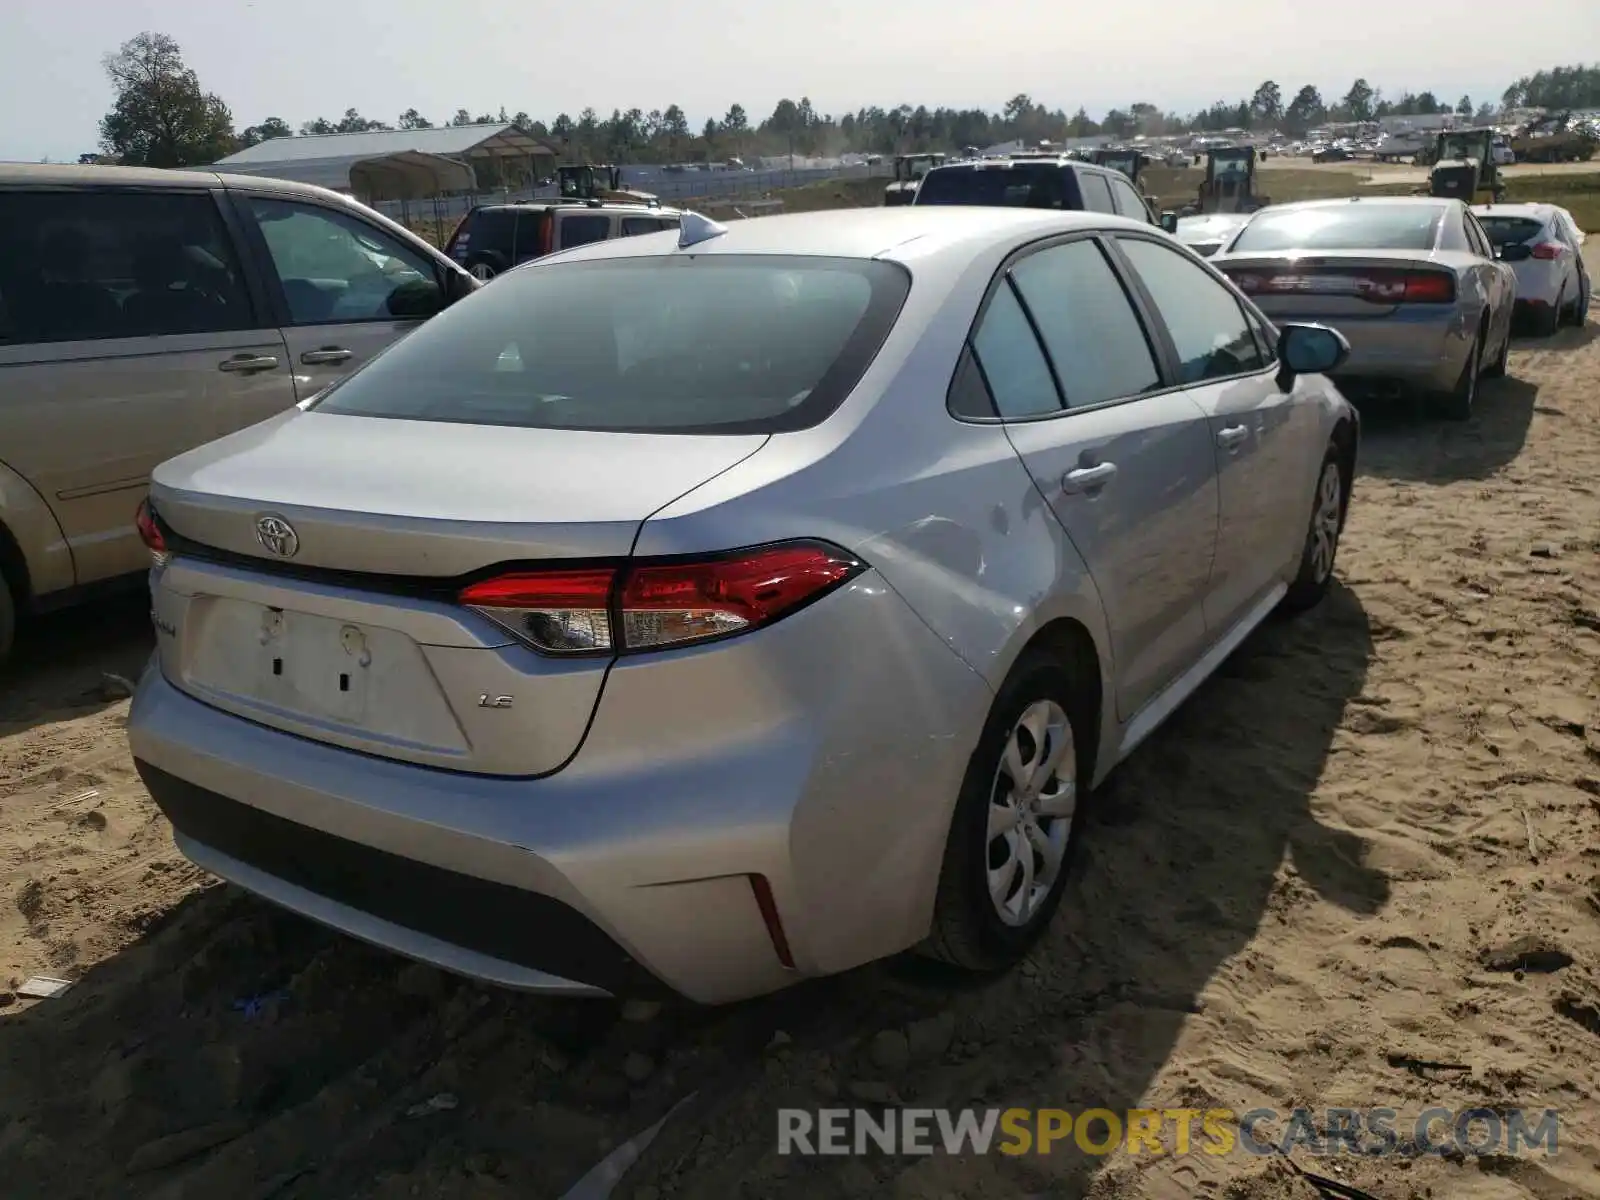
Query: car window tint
x=634, y=226
x=969, y=395
x=713, y=343
x=1203, y=316
x=1096, y=192
x=334, y=267
x=1013, y=365
x=1088, y=324
x=579, y=229
x=104, y=264
x=1453, y=234
x=1129, y=201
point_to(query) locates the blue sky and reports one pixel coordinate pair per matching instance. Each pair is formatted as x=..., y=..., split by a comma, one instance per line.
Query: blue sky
x=299, y=59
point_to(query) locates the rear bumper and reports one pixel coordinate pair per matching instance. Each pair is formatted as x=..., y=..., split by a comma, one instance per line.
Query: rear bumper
x=823, y=755
x=1422, y=350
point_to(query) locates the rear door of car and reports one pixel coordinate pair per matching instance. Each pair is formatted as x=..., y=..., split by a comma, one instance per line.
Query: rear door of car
x=1061, y=355
x=343, y=287
x=1266, y=441
x=136, y=327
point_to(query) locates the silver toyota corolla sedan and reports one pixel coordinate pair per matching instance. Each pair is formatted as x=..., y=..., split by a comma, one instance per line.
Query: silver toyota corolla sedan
x=1411, y=281
x=702, y=611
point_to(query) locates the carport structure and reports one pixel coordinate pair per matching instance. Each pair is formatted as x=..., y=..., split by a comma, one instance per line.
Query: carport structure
x=399, y=164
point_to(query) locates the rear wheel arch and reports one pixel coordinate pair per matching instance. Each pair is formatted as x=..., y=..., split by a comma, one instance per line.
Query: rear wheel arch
x=1069, y=643
x=1344, y=441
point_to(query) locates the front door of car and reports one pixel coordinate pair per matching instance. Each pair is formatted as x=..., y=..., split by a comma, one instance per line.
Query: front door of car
x=1126, y=466
x=130, y=331
x=1266, y=441
x=348, y=289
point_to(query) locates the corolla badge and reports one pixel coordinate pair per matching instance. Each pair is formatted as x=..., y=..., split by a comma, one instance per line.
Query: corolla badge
x=277, y=536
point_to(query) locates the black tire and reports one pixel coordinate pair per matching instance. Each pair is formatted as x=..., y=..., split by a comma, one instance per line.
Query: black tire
x=1548, y=320
x=1321, y=547
x=1573, y=313
x=968, y=930
x=1456, y=404
x=1497, y=369
x=483, y=267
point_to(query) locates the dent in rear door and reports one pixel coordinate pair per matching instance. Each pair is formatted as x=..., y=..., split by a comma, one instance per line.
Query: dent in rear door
x=1130, y=476
x=337, y=280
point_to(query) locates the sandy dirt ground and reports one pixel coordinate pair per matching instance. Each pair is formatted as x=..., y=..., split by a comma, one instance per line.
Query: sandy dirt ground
x=1361, y=868
x=1406, y=173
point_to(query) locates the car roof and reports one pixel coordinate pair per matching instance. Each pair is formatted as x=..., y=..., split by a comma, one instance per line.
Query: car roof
x=898, y=232
x=651, y=210
x=91, y=175
x=1007, y=160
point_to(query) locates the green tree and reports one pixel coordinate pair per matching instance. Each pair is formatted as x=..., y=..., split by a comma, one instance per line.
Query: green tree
x=412, y=119
x=1464, y=107
x=1304, y=111
x=1358, y=101
x=1267, y=103
x=272, y=127
x=161, y=116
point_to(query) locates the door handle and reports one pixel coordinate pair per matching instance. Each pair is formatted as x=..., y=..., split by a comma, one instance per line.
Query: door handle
x=248, y=363
x=328, y=354
x=1232, y=437
x=1088, y=479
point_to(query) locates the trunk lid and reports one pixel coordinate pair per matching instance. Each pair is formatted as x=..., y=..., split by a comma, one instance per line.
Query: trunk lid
x=1327, y=284
x=355, y=637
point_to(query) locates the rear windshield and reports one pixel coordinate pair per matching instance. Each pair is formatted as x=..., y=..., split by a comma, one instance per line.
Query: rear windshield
x=1510, y=231
x=707, y=344
x=1342, y=227
x=1021, y=185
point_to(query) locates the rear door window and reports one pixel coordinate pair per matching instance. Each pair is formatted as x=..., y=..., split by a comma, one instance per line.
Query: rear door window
x=1087, y=323
x=1096, y=192
x=579, y=229
x=104, y=264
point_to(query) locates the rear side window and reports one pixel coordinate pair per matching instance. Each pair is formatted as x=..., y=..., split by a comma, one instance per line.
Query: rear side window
x=1087, y=323
x=1352, y=226
x=93, y=265
x=1008, y=354
x=579, y=229
x=710, y=344
x=634, y=226
x=1204, y=317
x=1096, y=192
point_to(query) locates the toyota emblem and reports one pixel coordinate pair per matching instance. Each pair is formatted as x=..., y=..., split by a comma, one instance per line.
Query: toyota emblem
x=277, y=535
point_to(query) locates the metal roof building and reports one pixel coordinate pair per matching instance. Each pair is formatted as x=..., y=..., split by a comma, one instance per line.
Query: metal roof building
x=395, y=164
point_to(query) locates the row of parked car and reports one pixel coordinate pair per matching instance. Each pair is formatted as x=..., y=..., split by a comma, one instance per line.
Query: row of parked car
x=701, y=609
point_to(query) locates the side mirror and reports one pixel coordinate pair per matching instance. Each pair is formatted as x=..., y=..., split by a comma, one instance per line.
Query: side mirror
x=1309, y=350
x=1169, y=221
x=457, y=285
x=418, y=298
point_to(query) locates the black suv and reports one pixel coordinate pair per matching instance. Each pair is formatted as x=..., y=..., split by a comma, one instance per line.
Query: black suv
x=1035, y=182
x=496, y=237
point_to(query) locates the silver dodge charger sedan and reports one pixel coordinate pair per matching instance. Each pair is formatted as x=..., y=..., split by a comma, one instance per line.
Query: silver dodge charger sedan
x=698, y=612
x=1413, y=282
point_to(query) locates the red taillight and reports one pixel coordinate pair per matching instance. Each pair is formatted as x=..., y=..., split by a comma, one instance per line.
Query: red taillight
x=547, y=225
x=653, y=605
x=561, y=612
x=1547, y=251
x=1377, y=287
x=144, y=520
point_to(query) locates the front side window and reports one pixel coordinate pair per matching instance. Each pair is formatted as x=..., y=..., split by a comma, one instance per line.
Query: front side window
x=1088, y=325
x=1203, y=316
x=712, y=344
x=1096, y=192
x=102, y=264
x=335, y=268
x=1129, y=201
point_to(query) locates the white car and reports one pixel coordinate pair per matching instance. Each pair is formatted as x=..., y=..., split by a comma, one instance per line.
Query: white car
x=1543, y=245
